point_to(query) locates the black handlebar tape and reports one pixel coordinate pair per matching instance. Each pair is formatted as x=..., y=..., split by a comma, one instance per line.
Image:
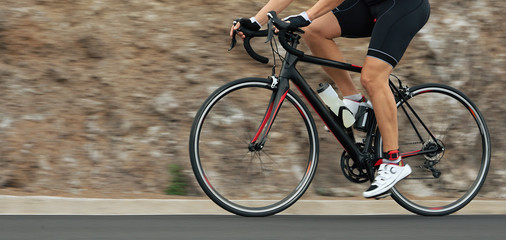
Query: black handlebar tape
x=286, y=46
x=247, y=45
x=252, y=52
x=283, y=27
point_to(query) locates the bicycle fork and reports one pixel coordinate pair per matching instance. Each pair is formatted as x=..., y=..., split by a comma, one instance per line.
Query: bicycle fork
x=280, y=90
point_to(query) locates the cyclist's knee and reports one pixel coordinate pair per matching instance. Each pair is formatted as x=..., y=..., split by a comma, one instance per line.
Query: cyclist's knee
x=315, y=37
x=373, y=83
x=375, y=74
x=369, y=81
x=323, y=28
x=313, y=34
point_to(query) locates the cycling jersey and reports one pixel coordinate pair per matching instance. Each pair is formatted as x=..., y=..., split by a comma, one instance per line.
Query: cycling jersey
x=391, y=24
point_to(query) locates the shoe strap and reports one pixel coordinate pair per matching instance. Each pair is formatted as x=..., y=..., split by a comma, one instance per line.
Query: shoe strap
x=392, y=155
x=394, y=158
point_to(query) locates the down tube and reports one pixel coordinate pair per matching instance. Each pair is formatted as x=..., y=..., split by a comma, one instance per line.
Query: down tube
x=322, y=110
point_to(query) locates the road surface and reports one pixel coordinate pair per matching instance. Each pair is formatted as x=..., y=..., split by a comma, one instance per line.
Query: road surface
x=52, y=227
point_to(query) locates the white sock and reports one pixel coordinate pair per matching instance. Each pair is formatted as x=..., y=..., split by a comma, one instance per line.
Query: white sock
x=356, y=97
x=398, y=160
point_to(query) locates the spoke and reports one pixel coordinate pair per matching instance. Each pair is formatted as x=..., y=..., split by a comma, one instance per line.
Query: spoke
x=445, y=163
x=232, y=170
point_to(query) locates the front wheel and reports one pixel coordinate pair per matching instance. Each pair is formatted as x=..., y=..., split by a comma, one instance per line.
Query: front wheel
x=447, y=146
x=246, y=180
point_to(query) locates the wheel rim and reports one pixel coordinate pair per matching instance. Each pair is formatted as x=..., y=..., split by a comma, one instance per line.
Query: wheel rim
x=465, y=161
x=253, y=182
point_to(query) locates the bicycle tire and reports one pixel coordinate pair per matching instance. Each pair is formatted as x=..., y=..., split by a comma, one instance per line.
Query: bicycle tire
x=463, y=164
x=245, y=182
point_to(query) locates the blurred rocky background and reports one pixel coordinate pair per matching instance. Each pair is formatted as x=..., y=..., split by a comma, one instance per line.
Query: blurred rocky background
x=97, y=97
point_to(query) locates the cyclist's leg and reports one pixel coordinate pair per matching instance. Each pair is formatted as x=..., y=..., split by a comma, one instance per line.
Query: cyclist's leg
x=374, y=78
x=351, y=19
x=319, y=38
x=397, y=23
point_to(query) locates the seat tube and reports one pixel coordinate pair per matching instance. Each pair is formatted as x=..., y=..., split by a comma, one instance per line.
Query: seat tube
x=324, y=113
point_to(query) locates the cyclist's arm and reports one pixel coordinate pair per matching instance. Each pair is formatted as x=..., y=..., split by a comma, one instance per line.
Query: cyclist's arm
x=261, y=16
x=319, y=9
x=272, y=5
x=322, y=7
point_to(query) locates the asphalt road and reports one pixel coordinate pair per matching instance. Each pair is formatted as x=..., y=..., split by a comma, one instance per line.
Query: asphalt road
x=233, y=227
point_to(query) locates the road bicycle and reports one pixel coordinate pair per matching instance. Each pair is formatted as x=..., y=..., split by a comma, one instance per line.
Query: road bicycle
x=254, y=144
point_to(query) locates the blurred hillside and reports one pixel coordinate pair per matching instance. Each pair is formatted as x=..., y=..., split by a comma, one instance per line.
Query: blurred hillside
x=97, y=97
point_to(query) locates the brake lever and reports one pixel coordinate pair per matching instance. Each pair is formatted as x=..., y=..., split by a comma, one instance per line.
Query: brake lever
x=270, y=34
x=234, y=41
x=280, y=23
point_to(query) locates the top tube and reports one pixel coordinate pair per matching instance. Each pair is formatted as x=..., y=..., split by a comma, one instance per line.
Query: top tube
x=286, y=38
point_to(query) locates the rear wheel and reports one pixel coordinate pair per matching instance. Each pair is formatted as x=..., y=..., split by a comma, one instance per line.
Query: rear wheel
x=244, y=179
x=449, y=166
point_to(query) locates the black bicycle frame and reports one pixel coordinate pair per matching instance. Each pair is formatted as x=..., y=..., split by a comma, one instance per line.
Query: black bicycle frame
x=289, y=72
x=281, y=86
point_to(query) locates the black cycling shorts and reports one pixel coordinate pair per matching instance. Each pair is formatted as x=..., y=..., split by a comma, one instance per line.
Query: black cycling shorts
x=391, y=24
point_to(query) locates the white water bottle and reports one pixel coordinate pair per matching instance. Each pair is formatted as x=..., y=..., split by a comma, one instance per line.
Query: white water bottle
x=336, y=105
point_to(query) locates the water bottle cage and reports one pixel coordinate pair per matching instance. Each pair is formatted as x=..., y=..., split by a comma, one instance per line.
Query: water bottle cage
x=364, y=122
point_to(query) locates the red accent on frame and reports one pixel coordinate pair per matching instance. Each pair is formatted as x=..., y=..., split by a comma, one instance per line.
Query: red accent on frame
x=261, y=128
x=409, y=154
x=277, y=108
x=267, y=116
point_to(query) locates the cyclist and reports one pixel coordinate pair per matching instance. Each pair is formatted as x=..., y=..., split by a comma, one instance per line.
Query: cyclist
x=391, y=24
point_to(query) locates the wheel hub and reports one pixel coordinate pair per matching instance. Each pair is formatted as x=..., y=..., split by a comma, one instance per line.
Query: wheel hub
x=432, y=158
x=437, y=150
x=255, y=147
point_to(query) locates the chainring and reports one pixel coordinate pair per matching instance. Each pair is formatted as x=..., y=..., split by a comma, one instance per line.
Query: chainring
x=352, y=170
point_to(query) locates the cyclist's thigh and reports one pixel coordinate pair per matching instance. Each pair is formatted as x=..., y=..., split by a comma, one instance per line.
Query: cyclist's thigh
x=397, y=23
x=355, y=19
x=325, y=26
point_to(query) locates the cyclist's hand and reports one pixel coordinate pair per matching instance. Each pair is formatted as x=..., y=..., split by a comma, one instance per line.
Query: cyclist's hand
x=298, y=21
x=248, y=23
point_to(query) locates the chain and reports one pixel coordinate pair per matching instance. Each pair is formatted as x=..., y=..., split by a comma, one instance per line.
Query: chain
x=410, y=143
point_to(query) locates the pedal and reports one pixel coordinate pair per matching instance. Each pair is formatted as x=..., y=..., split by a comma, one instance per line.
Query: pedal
x=384, y=195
